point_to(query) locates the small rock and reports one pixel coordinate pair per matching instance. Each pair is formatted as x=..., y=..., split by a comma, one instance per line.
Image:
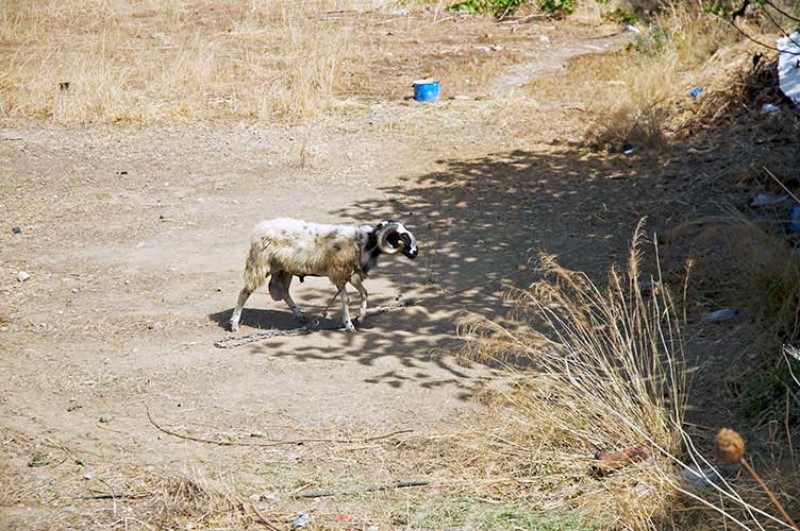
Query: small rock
x=73, y=407
x=16, y=230
x=157, y=325
x=105, y=418
x=88, y=476
x=22, y=276
x=218, y=289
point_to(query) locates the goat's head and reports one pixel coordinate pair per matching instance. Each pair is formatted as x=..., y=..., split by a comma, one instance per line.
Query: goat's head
x=393, y=238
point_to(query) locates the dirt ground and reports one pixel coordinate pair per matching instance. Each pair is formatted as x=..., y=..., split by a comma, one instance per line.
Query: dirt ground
x=134, y=239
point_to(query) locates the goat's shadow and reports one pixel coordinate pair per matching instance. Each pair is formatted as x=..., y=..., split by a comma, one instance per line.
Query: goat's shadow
x=284, y=320
x=269, y=319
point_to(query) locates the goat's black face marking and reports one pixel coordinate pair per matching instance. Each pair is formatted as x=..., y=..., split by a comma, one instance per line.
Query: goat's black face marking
x=409, y=245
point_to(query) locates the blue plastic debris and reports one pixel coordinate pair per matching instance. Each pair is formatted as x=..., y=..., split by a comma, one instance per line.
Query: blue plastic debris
x=794, y=218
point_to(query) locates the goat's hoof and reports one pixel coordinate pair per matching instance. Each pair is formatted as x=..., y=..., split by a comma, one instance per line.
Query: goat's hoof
x=348, y=327
x=362, y=316
x=234, y=327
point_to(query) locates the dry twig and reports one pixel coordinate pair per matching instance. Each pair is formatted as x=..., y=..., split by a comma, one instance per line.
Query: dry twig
x=293, y=442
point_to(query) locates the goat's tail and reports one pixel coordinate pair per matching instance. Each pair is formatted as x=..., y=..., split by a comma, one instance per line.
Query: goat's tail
x=256, y=268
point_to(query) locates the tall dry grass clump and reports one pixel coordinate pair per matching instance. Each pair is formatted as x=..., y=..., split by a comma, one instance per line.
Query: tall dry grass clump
x=606, y=378
x=637, y=92
x=82, y=61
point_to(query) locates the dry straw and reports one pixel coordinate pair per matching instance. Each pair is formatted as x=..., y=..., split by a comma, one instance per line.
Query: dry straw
x=607, y=374
x=731, y=448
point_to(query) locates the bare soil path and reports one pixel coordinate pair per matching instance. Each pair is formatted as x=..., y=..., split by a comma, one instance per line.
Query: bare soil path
x=134, y=239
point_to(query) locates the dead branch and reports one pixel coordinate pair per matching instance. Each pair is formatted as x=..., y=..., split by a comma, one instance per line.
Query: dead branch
x=374, y=488
x=271, y=443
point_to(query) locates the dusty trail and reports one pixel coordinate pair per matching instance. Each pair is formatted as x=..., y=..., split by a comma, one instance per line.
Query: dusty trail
x=135, y=240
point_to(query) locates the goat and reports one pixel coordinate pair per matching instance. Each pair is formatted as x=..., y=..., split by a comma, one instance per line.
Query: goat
x=284, y=248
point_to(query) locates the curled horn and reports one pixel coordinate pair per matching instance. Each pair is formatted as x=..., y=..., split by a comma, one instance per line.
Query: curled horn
x=384, y=246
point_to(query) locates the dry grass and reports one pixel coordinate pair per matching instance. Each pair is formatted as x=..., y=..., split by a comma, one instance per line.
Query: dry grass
x=748, y=264
x=606, y=375
x=164, y=59
x=161, y=60
x=636, y=93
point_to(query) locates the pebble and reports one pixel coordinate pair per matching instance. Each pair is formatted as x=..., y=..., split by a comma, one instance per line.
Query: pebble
x=105, y=418
x=22, y=276
x=157, y=325
x=16, y=230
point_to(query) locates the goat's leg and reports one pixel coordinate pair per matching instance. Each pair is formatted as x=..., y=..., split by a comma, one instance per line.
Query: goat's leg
x=237, y=312
x=348, y=323
x=286, y=279
x=356, y=281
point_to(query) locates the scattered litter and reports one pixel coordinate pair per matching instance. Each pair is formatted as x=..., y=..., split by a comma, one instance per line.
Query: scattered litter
x=627, y=149
x=632, y=29
x=634, y=454
x=789, y=66
x=612, y=461
x=16, y=230
x=794, y=226
x=695, y=92
x=22, y=276
x=481, y=48
x=767, y=199
x=698, y=151
x=722, y=314
x=697, y=477
x=301, y=521
x=105, y=418
x=770, y=108
x=403, y=11
x=426, y=90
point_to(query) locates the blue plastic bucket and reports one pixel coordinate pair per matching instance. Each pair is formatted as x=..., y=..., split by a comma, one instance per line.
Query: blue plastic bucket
x=426, y=90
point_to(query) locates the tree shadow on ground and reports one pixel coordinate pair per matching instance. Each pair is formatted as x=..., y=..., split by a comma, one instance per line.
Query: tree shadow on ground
x=478, y=223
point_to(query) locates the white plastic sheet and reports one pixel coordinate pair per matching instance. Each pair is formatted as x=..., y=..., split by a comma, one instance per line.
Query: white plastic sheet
x=789, y=66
